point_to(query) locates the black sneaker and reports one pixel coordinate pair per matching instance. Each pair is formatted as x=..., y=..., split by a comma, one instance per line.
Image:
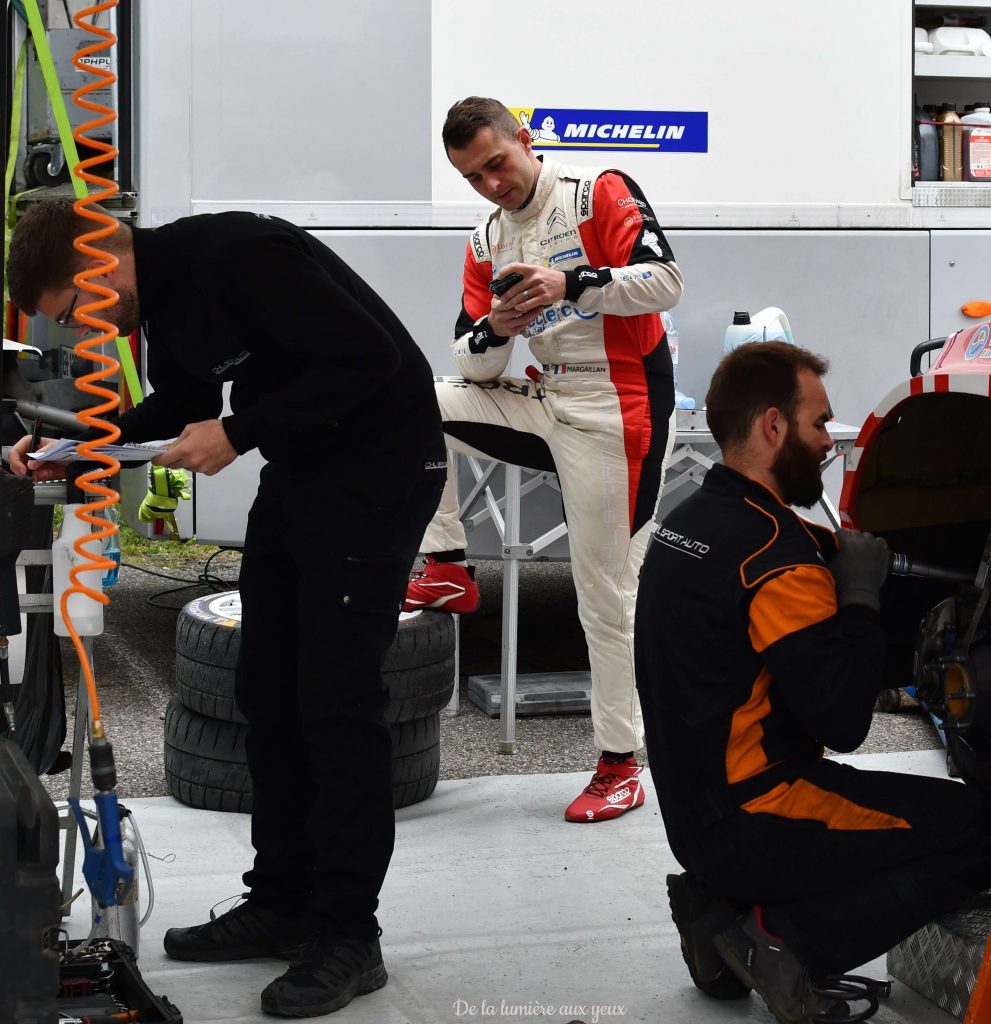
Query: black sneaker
x=331, y=971
x=700, y=917
x=767, y=965
x=245, y=931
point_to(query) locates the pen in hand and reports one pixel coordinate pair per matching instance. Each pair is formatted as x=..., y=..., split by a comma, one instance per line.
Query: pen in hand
x=36, y=434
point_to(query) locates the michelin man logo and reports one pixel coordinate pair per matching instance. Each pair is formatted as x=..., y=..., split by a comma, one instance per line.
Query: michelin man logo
x=652, y=242
x=544, y=133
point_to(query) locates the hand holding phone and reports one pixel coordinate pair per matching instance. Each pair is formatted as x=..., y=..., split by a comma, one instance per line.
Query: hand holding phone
x=501, y=285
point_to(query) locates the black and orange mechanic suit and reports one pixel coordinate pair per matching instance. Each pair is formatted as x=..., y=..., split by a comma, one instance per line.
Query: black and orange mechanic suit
x=746, y=669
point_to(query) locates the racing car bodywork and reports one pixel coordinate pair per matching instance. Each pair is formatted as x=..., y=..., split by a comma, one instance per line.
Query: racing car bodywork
x=920, y=476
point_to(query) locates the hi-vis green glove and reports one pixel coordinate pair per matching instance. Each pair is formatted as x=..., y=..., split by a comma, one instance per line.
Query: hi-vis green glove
x=165, y=488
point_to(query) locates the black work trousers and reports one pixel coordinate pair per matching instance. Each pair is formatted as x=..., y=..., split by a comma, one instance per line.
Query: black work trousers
x=840, y=896
x=323, y=578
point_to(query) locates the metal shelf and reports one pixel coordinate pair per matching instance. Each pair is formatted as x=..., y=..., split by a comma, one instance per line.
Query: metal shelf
x=928, y=65
x=951, y=193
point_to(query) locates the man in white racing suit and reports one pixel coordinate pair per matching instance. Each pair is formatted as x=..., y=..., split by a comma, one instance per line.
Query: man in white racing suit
x=595, y=271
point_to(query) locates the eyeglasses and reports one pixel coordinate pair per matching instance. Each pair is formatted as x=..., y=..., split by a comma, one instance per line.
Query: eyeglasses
x=67, y=321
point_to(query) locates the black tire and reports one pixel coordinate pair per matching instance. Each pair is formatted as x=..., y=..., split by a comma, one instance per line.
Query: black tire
x=423, y=638
x=205, y=761
x=208, y=630
x=207, y=689
x=418, y=668
x=206, y=764
x=889, y=701
x=415, y=693
x=415, y=760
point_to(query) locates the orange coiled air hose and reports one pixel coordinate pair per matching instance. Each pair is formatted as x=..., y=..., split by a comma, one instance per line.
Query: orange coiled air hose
x=87, y=312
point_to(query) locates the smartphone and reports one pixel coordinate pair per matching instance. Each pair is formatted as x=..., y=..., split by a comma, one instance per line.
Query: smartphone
x=501, y=285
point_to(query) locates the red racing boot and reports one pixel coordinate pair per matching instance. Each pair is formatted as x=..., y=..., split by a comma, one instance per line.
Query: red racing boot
x=444, y=585
x=615, y=789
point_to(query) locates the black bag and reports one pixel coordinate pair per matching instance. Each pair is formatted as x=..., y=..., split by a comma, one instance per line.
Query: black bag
x=29, y=893
x=40, y=699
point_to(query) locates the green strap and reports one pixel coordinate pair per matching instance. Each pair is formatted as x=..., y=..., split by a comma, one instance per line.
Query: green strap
x=54, y=93
x=15, y=122
x=8, y=181
x=129, y=372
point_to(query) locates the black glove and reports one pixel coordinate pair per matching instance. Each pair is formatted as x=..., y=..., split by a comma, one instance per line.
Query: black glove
x=859, y=568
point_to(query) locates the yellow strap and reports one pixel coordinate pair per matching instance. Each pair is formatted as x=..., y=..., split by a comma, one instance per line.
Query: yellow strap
x=129, y=372
x=54, y=94
x=15, y=125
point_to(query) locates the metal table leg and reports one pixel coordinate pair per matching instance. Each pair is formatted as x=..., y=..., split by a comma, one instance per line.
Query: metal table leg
x=510, y=608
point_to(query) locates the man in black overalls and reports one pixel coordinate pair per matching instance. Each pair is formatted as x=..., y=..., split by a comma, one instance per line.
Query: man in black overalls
x=330, y=388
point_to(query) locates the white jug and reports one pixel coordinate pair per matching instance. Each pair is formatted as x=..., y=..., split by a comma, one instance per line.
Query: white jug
x=769, y=324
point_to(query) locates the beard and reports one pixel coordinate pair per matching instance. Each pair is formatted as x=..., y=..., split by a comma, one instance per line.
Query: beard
x=124, y=314
x=796, y=470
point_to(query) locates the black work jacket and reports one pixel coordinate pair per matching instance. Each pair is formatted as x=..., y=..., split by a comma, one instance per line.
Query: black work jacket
x=321, y=369
x=745, y=665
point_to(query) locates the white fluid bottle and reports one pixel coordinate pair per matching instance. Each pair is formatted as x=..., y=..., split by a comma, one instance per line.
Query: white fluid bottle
x=977, y=143
x=740, y=331
x=681, y=400
x=85, y=612
x=768, y=324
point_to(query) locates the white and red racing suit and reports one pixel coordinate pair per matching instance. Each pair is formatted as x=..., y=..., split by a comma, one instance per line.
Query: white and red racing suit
x=600, y=413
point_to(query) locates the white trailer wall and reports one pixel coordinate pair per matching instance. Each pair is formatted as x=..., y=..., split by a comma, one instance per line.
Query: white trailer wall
x=329, y=114
x=806, y=102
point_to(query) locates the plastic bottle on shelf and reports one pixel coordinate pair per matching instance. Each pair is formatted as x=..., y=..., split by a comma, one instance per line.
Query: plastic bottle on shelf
x=681, y=400
x=739, y=332
x=86, y=613
x=111, y=547
x=925, y=166
x=977, y=144
x=769, y=324
x=950, y=144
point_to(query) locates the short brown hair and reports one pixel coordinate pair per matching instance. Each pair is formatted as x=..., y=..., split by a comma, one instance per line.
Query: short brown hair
x=42, y=257
x=753, y=378
x=469, y=116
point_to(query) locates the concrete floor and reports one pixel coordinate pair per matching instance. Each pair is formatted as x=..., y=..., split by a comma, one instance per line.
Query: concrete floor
x=494, y=908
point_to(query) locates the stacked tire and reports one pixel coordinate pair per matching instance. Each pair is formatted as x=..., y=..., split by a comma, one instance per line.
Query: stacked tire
x=205, y=760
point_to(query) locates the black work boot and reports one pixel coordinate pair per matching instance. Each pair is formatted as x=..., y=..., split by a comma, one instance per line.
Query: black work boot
x=700, y=916
x=331, y=971
x=246, y=931
x=765, y=963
